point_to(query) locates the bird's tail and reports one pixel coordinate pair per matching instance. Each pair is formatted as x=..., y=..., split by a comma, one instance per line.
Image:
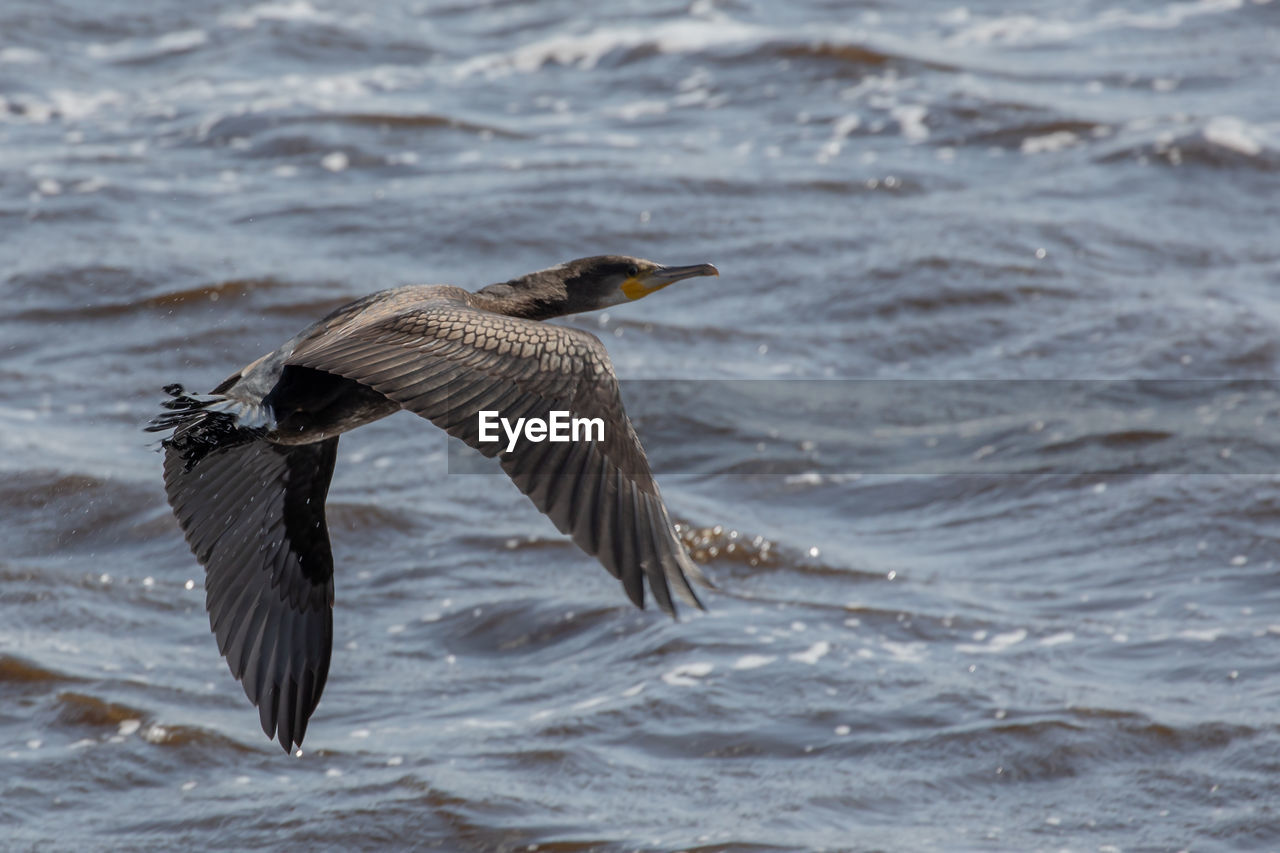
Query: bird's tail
x=203, y=423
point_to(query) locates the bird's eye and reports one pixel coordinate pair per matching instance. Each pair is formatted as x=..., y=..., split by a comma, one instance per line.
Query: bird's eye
x=633, y=271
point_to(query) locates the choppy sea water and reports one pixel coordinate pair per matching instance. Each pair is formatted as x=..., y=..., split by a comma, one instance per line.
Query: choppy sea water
x=955, y=623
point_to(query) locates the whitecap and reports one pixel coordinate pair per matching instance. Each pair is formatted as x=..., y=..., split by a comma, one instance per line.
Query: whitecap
x=906, y=652
x=335, y=161
x=998, y=643
x=687, y=675
x=587, y=49
x=1058, y=639
x=1204, y=635
x=475, y=723
x=813, y=654
x=589, y=703
x=1049, y=142
x=1235, y=135
x=910, y=119
x=297, y=10
x=639, y=109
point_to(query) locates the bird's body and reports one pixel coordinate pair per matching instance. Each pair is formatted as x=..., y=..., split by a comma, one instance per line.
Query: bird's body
x=248, y=466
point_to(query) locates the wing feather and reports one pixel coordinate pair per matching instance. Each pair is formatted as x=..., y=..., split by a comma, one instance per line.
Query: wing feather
x=253, y=514
x=447, y=361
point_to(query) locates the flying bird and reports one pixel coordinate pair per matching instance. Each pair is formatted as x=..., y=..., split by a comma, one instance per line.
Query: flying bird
x=247, y=466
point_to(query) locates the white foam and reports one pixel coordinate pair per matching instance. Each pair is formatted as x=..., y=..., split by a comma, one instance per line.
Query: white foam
x=1028, y=29
x=841, y=128
x=20, y=56
x=1049, y=142
x=910, y=119
x=1006, y=29
x=77, y=105
x=906, y=652
x=1204, y=635
x=182, y=40
x=1058, y=639
x=175, y=42
x=335, y=161
x=475, y=723
x=590, y=703
x=298, y=10
x=813, y=654
x=753, y=661
x=1236, y=135
x=91, y=185
x=998, y=643
x=586, y=50
x=687, y=675
x=639, y=109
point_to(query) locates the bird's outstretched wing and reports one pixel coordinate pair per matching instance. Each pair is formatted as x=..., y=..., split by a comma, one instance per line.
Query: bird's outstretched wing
x=446, y=361
x=253, y=513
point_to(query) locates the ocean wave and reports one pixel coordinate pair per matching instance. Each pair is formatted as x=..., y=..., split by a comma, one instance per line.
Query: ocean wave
x=585, y=51
x=15, y=670
x=1215, y=142
x=1027, y=29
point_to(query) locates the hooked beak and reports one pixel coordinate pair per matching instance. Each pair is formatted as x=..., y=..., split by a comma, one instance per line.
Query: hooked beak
x=640, y=286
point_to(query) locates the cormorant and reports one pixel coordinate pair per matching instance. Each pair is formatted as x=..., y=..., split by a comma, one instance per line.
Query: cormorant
x=248, y=466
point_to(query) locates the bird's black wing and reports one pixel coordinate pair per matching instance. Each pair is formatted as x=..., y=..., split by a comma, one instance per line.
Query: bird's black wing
x=253, y=513
x=447, y=361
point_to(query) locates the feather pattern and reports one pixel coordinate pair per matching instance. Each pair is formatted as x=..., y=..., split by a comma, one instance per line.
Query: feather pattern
x=247, y=467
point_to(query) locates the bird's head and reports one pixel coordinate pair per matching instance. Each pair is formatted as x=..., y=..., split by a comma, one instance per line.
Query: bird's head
x=613, y=279
x=588, y=284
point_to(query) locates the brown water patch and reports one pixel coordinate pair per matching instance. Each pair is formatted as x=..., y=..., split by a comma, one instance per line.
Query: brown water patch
x=17, y=671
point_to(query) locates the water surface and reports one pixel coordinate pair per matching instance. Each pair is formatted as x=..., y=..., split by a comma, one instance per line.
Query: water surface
x=1058, y=650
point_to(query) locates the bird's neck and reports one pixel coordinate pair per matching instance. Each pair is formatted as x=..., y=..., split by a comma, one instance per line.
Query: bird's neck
x=533, y=297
